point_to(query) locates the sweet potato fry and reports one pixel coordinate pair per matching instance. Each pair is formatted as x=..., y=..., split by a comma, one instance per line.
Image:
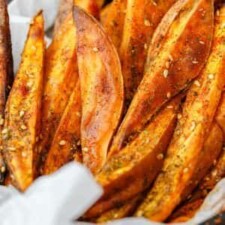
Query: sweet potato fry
x=22, y=118
x=184, y=154
x=142, y=157
x=101, y=89
x=66, y=10
x=60, y=80
x=142, y=17
x=6, y=70
x=180, y=59
x=120, y=211
x=212, y=149
x=66, y=143
x=112, y=18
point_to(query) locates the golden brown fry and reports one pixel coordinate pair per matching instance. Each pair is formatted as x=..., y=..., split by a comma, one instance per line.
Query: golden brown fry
x=184, y=153
x=142, y=17
x=6, y=70
x=180, y=58
x=101, y=89
x=120, y=211
x=112, y=19
x=60, y=80
x=66, y=143
x=22, y=118
x=142, y=157
x=210, y=153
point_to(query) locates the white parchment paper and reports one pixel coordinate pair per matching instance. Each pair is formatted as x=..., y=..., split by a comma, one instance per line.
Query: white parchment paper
x=63, y=197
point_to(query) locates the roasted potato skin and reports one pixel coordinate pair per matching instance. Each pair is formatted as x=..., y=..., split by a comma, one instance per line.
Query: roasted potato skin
x=22, y=117
x=112, y=19
x=59, y=82
x=139, y=26
x=66, y=142
x=184, y=153
x=6, y=70
x=101, y=86
x=142, y=157
x=177, y=62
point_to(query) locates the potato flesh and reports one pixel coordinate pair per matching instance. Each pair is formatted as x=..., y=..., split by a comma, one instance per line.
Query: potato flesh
x=184, y=153
x=22, y=118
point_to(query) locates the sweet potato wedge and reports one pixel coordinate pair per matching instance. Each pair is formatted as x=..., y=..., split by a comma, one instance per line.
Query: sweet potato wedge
x=212, y=149
x=60, y=80
x=6, y=70
x=180, y=59
x=101, y=85
x=184, y=153
x=66, y=143
x=142, y=157
x=66, y=9
x=142, y=18
x=22, y=118
x=120, y=211
x=112, y=18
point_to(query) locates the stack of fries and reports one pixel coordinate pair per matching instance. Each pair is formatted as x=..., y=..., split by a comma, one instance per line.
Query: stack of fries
x=133, y=90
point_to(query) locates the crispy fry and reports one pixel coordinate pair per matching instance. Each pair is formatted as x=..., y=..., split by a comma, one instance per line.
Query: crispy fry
x=184, y=154
x=180, y=58
x=120, y=211
x=212, y=149
x=65, y=145
x=142, y=17
x=101, y=89
x=6, y=70
x=60, y=80
x=112, y=19
x=143, y=157
x=22, y=119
